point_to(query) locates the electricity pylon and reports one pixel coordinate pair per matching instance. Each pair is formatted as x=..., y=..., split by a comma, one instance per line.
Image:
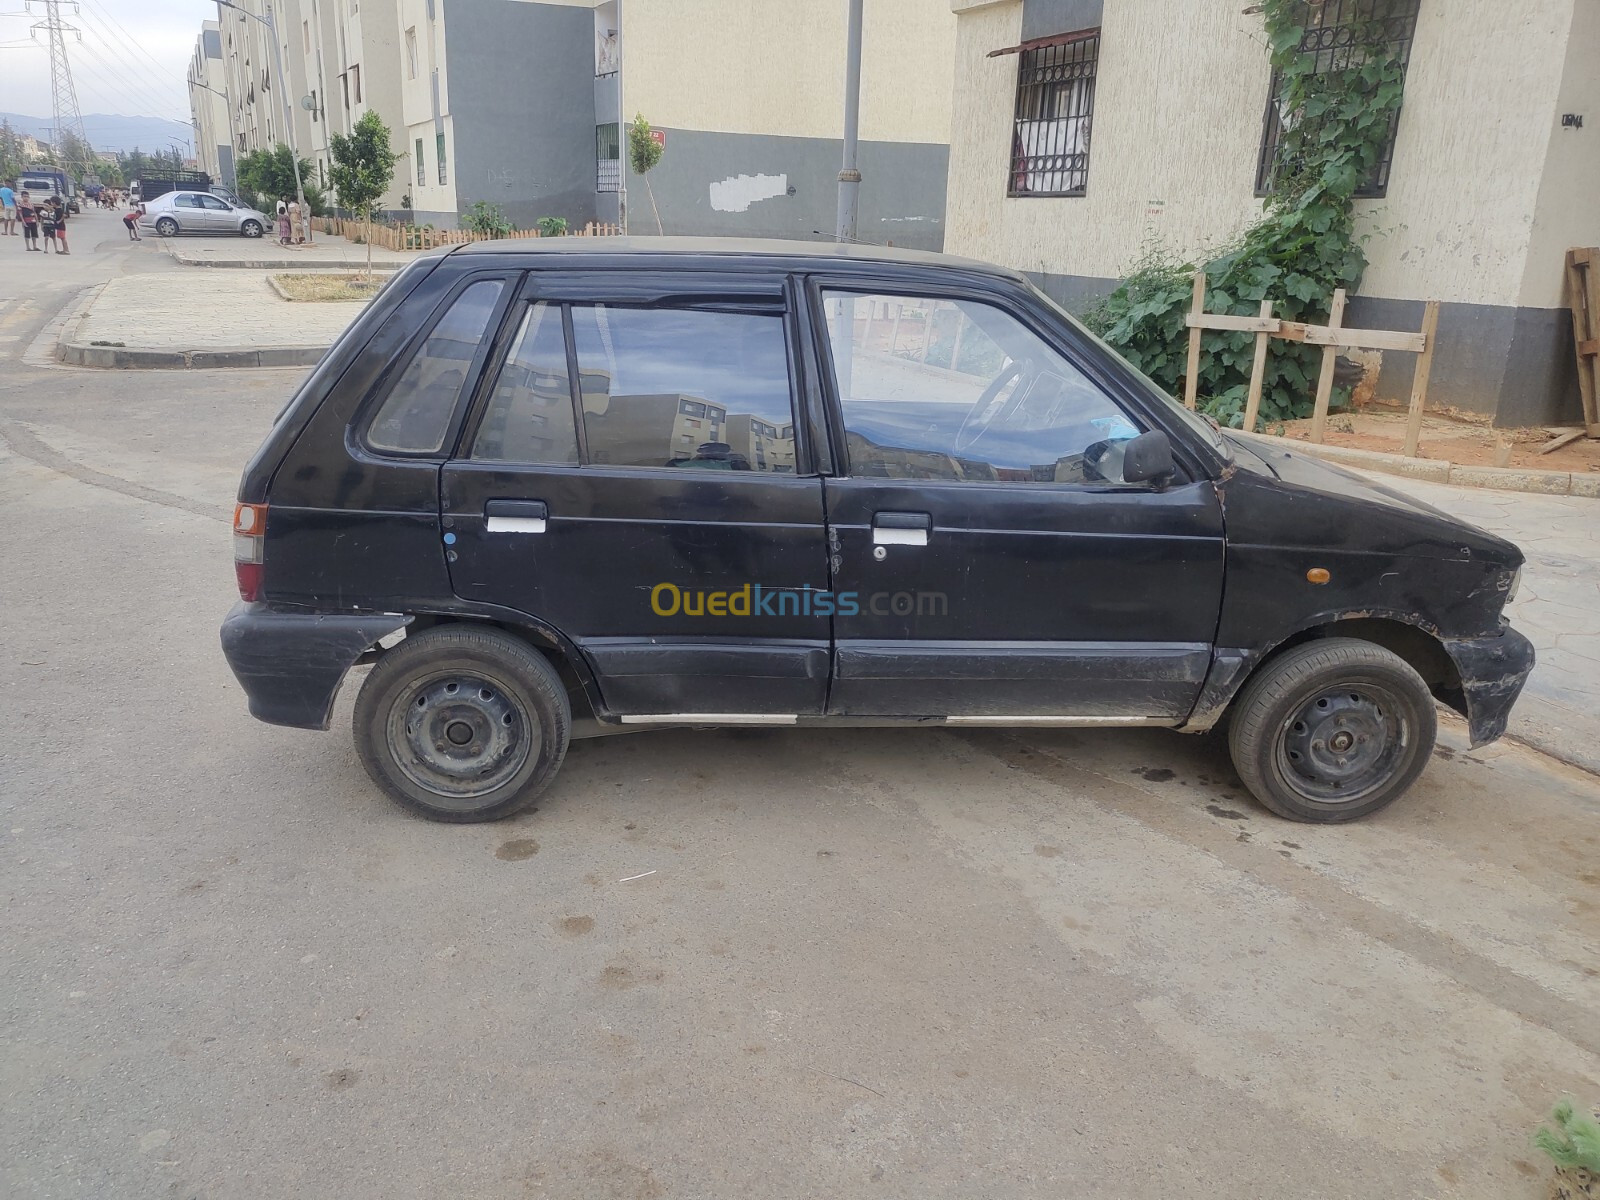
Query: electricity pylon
x=63, y=95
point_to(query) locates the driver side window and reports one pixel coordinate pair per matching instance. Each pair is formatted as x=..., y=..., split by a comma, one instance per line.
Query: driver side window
x=962, y=391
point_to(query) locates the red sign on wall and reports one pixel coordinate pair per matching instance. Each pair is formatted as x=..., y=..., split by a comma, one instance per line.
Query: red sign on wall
x=659, y=137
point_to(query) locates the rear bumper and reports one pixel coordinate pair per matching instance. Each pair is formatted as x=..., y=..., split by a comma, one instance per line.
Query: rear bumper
x=290, y=663
x=1493, y=670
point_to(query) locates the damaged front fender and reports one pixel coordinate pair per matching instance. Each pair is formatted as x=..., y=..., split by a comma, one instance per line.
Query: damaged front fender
x=290, y=664
x=1492, y=671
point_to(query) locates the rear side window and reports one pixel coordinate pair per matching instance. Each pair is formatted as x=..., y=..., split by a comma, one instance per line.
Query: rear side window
x=415, y=415
x=529, y=418
x=688, y=388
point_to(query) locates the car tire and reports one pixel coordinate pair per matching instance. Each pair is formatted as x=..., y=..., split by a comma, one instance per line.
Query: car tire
x=167, y=227
x=462, y=724
x=1332, y=731
x=251, y=229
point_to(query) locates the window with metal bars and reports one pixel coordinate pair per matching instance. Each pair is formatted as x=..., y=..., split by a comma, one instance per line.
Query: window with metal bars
x=1055, y=107
x=608, y=155
x=1337, y=37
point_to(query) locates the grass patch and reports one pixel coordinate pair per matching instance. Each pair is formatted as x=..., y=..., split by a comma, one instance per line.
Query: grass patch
x=328, y=285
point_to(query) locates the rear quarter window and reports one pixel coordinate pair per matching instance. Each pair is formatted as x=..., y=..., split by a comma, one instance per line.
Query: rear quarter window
x=415, y=415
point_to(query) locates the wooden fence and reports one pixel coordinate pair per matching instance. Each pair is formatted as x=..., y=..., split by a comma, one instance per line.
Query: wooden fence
x=425, y=237
x=1332, y=337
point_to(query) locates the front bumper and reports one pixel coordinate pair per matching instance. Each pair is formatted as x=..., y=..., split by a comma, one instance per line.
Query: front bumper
x=290, y=663
x=1492, y=670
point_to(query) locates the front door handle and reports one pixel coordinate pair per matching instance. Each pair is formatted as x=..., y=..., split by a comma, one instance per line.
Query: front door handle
x=901, y=529
x=516, y=516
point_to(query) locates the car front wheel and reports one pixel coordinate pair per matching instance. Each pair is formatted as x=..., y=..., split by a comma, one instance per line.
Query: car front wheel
x=1332, y=731
x=251, y=229
x=167, y=227
x=462, y=724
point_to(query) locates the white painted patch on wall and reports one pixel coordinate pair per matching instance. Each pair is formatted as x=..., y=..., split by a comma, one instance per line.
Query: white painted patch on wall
x=738, y=192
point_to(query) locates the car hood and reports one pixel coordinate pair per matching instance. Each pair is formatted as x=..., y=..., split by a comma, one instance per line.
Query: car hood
x=1321, y=504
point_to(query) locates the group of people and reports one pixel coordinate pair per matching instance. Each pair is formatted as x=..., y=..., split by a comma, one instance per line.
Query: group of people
x=293, y=225
x=48, y=217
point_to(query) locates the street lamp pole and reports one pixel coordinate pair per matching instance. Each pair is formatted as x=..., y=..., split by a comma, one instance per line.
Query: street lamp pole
x=849, y=175
x=283, y=90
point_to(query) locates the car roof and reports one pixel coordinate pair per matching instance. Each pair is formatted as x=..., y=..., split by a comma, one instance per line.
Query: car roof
x=817, y=255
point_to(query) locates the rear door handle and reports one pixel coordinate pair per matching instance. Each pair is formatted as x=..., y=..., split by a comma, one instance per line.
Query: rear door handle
x=516, y=516
x=901, y=529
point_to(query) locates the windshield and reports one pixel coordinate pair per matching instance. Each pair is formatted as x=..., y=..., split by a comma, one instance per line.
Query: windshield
x=1204, y=426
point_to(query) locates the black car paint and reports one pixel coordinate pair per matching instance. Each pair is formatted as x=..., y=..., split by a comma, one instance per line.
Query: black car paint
x=1123, y=602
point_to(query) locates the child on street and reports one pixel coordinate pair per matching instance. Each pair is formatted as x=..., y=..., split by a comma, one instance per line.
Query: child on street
x=131, y=221
x=29, y=215
x=47, y=225
x=61, y=224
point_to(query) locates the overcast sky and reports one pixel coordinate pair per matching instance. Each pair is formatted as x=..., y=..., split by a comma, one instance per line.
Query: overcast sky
x=131, y=59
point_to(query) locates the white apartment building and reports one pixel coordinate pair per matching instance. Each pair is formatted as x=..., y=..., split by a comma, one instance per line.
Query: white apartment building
x=208, y=101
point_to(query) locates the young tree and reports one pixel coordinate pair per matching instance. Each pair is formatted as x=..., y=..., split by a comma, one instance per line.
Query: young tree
x=265, y=175
x=363, y=168
x=11, y=160
x=644, y=152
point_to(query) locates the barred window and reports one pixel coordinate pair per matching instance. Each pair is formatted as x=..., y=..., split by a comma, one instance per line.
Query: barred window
x=1055, y=107
x=608, y=154
x=1333, y=39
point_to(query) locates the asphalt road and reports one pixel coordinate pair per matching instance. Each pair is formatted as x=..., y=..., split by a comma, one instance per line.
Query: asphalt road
x=757, y=964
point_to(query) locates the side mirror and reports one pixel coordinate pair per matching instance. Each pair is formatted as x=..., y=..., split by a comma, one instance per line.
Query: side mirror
x=1147, y=457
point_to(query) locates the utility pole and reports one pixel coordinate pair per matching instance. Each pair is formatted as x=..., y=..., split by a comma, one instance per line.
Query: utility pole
x=849, y=176
x=622, y=136
x=63, y=95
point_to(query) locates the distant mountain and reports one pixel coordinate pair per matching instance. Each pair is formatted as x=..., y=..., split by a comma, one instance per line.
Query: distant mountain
x=107, y=132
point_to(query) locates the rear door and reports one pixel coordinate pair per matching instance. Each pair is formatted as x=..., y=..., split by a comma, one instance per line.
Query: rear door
x=631, y=478
x=992, y=566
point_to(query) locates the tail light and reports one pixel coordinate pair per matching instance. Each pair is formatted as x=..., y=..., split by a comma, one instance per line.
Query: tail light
x=249, y=541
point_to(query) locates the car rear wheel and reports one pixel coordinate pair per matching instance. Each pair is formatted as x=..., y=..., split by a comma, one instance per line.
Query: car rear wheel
x=167, y=227
x=251, y=229
x=462, y=724
x=1332, y=731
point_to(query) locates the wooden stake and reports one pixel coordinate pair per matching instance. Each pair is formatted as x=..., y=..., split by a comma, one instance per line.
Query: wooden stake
x=1191, y=381
x=1419, y=384
x=1252, y=407
x=1330, y=357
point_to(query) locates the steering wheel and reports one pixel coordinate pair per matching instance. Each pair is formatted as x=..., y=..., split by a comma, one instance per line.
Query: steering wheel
x=1017, y=369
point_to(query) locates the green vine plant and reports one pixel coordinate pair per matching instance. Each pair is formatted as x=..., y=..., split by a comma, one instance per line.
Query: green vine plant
x=1336, y=122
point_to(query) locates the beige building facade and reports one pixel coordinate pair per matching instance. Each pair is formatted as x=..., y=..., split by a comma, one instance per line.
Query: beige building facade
x=1151, y=131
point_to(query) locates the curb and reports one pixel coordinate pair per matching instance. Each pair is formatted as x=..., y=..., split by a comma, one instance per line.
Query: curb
x=278, y=264
x=77, y=354
x=1504, y=479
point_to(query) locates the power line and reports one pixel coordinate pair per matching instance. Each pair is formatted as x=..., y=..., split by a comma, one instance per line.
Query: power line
x=149, y=83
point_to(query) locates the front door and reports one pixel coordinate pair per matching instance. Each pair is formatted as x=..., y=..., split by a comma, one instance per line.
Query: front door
x=630, y=478
x=990, y=562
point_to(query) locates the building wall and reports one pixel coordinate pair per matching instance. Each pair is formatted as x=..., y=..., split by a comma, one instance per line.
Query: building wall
x=1484, y=195
x=212, y=143
x=523, y=138
x=425, y=113
x=756, y=149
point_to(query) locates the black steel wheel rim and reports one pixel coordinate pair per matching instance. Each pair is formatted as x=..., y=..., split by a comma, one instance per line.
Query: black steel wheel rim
x=1344, y=743
x=461, y=734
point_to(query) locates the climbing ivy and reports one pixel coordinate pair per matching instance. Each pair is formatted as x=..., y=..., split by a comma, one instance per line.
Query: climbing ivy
x=1336, y=124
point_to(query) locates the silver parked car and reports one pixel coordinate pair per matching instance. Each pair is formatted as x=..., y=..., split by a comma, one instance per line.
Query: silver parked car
x=202, y=212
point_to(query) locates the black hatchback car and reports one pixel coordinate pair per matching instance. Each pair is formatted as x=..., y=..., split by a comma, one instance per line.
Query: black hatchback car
x=705, y=482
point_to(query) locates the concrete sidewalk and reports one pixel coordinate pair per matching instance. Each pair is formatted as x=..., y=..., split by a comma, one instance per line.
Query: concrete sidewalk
x=201, y=319
x=266, y=254
x=1558, y=608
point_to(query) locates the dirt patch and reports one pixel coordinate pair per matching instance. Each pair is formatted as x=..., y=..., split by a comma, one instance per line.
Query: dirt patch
x=1451, y=438
x=324, y=286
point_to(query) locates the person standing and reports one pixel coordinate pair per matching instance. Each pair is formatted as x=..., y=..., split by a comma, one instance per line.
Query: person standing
x=294, y=221
x=47, y=223
x=29, y=216
x=283, y=220
x=61, y=224
x=8, y=209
